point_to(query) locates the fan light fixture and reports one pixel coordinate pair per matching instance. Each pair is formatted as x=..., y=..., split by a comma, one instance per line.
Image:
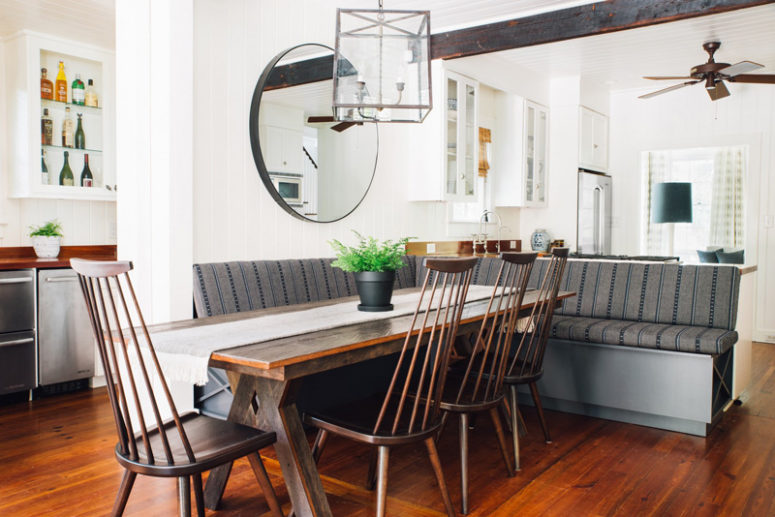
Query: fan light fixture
x=382, y=69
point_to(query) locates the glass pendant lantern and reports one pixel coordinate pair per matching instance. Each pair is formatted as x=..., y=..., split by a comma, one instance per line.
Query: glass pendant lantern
x=382, y=67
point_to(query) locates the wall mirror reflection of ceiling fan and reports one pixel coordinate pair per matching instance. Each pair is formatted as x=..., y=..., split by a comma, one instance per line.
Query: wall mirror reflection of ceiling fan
x=336, y=127
x=714, y=74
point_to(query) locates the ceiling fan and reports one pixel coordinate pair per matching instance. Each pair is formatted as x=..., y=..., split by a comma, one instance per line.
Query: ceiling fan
x=337, y=127
x=714, y=74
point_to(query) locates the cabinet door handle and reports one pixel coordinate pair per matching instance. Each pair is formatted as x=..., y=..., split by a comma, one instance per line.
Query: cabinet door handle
x=17, y=341
x=17, y=280
x=62, y=279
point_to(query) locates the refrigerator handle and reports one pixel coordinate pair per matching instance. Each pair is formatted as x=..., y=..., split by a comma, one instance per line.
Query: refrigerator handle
x=597, y=232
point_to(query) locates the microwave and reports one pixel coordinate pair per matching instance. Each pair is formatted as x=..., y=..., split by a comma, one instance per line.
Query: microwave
x=289, y=188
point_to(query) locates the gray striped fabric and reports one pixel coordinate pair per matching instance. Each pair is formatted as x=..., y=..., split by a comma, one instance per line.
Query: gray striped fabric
x=679, y=338
x=228, y=287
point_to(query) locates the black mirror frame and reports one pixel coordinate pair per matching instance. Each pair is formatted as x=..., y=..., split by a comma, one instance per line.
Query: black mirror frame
x=255, y=145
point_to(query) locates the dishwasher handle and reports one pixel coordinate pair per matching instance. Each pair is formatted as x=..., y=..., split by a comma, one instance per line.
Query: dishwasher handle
x=16, y=280
x=61, y=279
x=17, y=341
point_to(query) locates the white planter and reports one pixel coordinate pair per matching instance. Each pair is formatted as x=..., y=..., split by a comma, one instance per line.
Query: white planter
x=46, y=247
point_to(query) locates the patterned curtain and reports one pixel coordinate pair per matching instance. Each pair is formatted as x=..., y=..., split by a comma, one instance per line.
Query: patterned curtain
x=726, y=211
x=654, y=167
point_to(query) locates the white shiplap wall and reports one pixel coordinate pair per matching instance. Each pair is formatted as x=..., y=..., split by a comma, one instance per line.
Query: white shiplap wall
x=684, y=119
x=234, y=216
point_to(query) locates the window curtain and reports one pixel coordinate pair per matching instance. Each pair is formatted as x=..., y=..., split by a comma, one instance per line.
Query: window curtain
x=726, y=211
x=654, y=165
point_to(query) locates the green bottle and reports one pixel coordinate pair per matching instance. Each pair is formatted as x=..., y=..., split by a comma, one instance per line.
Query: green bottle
x=80, y=137
x=66, y=176
x=78, y=91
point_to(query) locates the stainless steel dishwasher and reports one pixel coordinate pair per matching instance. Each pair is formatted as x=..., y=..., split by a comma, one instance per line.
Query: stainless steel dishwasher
x=17, y=330
x=65, y=342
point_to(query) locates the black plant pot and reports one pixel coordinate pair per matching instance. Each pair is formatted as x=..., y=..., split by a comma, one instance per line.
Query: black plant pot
x=375, y=289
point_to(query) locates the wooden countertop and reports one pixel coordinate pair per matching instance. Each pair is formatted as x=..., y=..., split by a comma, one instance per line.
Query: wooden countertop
x=461, y=248
x=24, y=257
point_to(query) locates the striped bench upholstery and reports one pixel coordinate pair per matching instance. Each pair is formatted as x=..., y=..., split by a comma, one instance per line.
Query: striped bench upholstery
x=686, y=308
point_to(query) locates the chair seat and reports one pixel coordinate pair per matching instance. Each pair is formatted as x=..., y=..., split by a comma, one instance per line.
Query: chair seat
x=356, y=420
x=467, y=402
x=678, y=338
x=213, y=441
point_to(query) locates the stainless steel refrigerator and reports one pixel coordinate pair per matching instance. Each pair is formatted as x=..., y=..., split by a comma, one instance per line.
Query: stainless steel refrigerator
x=593, y=230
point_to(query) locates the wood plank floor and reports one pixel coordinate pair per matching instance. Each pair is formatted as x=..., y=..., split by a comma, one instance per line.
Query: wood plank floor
x=56, y=457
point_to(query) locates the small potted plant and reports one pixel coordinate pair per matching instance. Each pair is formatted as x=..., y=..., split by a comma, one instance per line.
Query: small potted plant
x=46, y=239
x=374, y=265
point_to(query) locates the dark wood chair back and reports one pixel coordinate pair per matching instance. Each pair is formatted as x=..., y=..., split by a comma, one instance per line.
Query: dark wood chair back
x=534, y=332
x=411, y=404
x=483, y=378
x=130, y=379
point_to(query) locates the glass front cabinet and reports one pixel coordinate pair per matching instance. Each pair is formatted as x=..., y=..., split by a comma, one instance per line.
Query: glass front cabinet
x=536, y=153
x=35, y=124
x=461, y=146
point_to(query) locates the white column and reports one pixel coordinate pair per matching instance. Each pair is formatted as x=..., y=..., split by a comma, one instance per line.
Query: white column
x=154, y=149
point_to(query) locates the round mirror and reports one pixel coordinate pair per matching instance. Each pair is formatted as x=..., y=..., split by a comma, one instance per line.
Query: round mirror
x=316, y=168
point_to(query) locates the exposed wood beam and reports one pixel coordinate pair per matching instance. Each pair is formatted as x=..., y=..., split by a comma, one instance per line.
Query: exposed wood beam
x=575, y=22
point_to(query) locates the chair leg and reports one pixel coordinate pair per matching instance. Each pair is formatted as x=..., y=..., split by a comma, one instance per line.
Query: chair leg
x=266, y=486
x=506, y=412
x=444, y=417
x=514, y=424
x=382, y=475
x=433, y=454
x=540, y=408
x=320, y=442
x=496, y=422
x=184, y=496
x=371, y=480
x=123, y=492
x=464, y=462
x=199, y=495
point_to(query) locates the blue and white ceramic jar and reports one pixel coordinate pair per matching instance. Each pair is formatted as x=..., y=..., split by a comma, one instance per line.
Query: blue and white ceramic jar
x=539, y=240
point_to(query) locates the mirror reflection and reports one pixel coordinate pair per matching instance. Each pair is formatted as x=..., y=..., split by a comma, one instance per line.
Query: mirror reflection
x=314, y=167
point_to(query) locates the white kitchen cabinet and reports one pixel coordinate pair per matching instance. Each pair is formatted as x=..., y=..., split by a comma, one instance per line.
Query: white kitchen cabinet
x=593, y=140
x=26, y=54
x=447, y=142
x=521, y=152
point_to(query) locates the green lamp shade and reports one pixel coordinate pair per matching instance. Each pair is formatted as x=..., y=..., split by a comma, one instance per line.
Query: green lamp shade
x=671, y=203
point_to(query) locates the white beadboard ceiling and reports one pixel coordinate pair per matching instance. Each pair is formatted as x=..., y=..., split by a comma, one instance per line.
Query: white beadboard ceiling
x=620, y=59
x=88, y=21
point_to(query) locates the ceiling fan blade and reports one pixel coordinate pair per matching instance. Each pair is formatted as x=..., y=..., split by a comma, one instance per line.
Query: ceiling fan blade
x=754, y=78
x=743, y=67
x=313, y=120
x=719, y=92
x=666, y=77
x=668, y=89
x=342, y=126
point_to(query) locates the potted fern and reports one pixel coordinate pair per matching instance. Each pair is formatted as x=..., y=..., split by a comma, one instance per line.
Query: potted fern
x=374, y=264
x=46, y=239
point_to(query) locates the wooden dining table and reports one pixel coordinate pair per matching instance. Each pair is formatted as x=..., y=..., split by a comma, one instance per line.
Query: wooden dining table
x=266, y=377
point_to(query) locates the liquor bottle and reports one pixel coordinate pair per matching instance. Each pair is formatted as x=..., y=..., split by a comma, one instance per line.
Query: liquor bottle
x=66, y=175
x=91, y=95
x=60, y=92
x=80, y=138
x=46, y=128
x=78, y=93
x=87, y=180
x=67, y=129
x=43, y=168
x=46, y=86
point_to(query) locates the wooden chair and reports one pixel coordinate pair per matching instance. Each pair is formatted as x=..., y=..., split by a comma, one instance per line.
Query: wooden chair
x=408, y=411
x=187, y=445
x=526, y=361
x=477, y=387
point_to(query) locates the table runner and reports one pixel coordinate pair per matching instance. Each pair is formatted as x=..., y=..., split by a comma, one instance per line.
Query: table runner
x=184, y=353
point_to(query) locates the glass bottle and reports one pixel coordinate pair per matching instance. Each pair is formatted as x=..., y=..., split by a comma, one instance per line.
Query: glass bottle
x=87, y=179
x=80, y=137
x=91, y=95
x=46, y=86
x=46, y=129
x=60, y=92
x=78, y=92
x=66, y=175
x=43, y=168
x=67, y=129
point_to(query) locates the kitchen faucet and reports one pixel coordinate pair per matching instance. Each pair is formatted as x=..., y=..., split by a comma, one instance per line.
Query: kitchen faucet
x=484, y=220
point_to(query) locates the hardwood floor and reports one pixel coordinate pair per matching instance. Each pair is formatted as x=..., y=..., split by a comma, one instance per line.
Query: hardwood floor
x=57, y=459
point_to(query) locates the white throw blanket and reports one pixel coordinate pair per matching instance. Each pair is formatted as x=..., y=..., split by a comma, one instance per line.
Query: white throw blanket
x=185, y=353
